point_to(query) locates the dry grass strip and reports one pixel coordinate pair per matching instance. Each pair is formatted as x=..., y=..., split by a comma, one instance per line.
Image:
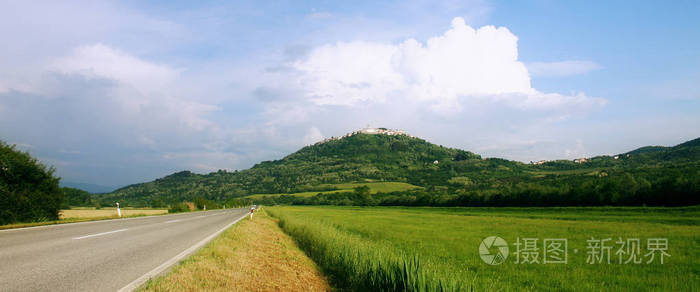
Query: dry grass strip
x=92, y=213
x=253, y=255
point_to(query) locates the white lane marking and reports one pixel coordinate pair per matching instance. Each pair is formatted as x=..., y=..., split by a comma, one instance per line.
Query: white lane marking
x=186, y=219
x=202, y=216
x=103, y=233
x=159, y=269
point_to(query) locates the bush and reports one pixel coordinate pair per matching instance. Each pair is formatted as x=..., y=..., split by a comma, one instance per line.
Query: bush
x=157, y=203
x=179, y=207
x=200, y=203
x=28, y=189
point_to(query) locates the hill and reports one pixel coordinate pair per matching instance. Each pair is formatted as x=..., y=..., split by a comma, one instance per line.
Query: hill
x=446, y=176
x=356, y=158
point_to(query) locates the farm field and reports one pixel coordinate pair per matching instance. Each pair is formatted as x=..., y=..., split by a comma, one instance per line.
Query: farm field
x=107, y=212
x=439, y=248
x=82, y=214
x=374, y=187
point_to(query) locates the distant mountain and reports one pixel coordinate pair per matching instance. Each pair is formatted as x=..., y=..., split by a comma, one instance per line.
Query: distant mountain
x=691, y=143
x=386, y=155
x=90, y=188
x=648, y=149
x=687, y=151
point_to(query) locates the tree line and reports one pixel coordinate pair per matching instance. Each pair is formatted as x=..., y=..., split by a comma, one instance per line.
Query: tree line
x=625, y=189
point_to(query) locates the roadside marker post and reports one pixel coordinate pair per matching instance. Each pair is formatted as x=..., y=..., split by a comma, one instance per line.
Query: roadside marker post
x=119, y=212
x=251, y=212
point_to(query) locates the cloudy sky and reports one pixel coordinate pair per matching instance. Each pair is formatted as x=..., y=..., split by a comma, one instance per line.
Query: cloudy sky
x=113, y=93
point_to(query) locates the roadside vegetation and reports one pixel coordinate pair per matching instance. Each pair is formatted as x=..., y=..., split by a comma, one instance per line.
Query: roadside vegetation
x=253, y=255
x=29, y=190
x=179, y=207
x=437, y=249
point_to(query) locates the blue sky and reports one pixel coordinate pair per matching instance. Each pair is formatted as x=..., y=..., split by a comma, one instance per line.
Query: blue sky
x=114, y=93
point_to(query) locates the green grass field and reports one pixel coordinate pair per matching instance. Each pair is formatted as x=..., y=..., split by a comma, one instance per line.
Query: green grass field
x=374, y=187
x=434, y=249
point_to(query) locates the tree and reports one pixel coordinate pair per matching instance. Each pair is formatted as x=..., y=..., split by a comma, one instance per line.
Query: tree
x=29, y=190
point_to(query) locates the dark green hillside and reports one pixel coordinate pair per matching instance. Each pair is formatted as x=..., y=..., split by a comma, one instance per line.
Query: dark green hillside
x=650, y=175
x=648, y=149
x=356, y=158
x=76, y=197
x=692, y=143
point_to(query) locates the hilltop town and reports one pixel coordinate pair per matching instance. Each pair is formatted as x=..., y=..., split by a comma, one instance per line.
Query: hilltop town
x=371, y=131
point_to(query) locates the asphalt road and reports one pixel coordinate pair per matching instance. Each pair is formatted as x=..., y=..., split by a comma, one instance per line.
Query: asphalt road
x=103, y=255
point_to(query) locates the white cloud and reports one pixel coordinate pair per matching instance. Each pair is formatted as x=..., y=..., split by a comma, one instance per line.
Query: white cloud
x=313, y=135
x=103, y=97
x=203, y=161
x=465, y=88
x=450, y=71
x=562, y=68
x=142, y=90
x=99, y=60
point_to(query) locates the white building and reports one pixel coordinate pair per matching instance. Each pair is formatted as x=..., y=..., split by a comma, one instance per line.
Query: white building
x=371, y=131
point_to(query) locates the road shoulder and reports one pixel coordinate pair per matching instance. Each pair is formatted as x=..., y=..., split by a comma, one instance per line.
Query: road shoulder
x=254, y=255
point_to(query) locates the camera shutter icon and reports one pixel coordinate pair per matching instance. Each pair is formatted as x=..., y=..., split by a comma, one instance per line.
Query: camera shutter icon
x=493, y=250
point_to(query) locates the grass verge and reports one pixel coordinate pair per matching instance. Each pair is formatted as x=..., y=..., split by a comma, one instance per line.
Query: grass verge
x=253, y=255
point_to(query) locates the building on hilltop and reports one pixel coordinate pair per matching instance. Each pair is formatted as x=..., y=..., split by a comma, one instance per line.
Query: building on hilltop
x=370, y=131
x=581, y=160
x=384, y=131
